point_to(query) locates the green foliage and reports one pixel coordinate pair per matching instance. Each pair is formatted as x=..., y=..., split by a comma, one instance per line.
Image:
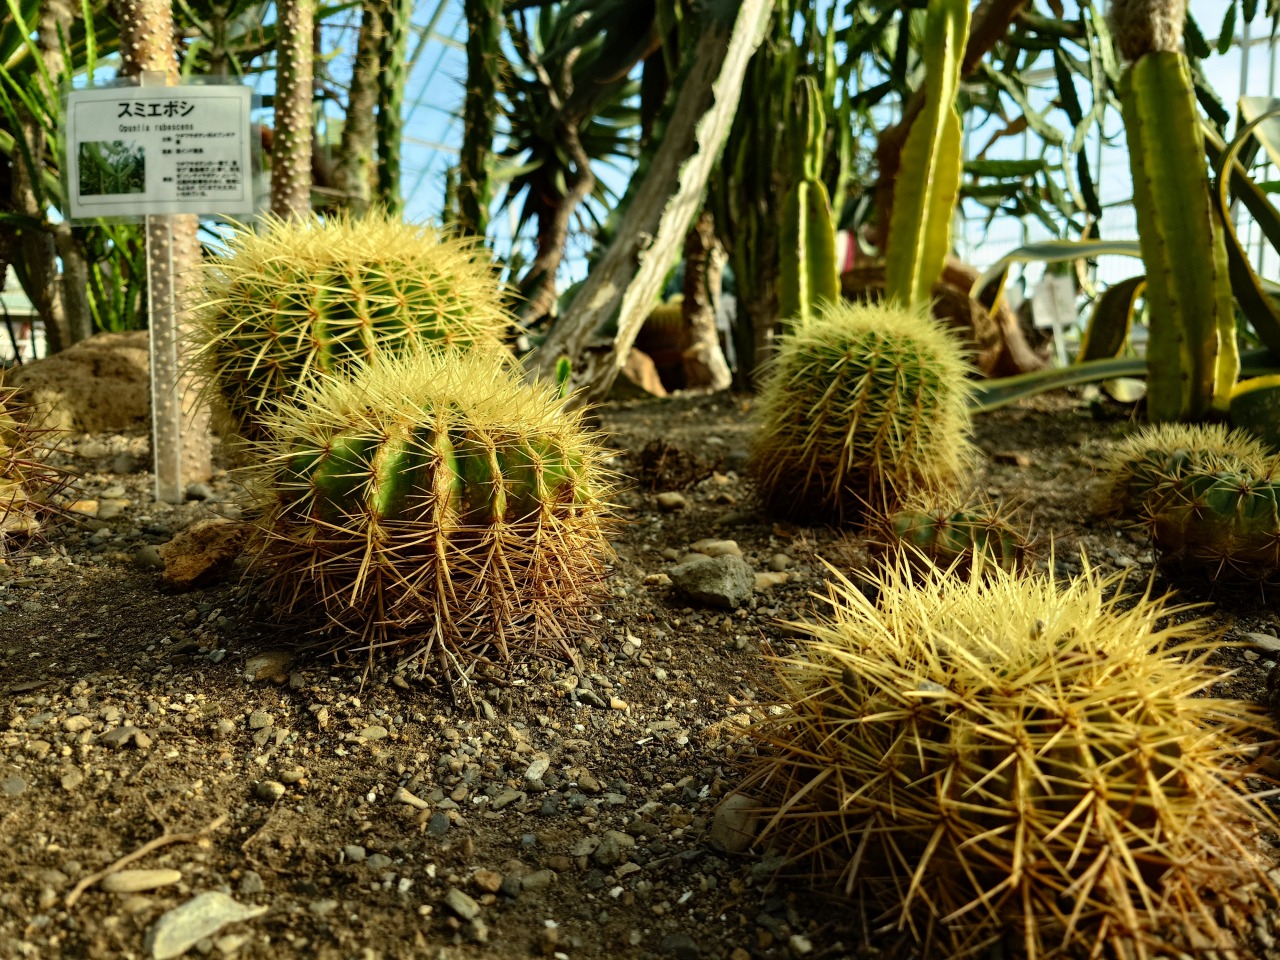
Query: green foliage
x=297, y=299
x=434, y=505
x=1009, y=766
x=863, y=406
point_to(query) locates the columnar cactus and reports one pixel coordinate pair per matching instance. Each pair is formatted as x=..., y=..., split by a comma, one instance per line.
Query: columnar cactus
x=1007, y=758
x=301, y=298
x=864, y=405
x=434, y=504
x=28, y=483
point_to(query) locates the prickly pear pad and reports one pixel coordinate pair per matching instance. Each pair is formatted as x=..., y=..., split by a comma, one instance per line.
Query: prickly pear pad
x=434, y=505
x=1013, y=759
x=862, y=406
x=300, y=298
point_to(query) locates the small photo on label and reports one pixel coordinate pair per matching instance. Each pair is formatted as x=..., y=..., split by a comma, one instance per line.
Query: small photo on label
x=112, y=167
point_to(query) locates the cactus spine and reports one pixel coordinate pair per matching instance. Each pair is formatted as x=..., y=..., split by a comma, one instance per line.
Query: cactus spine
x=920, y=223
x=1011, y=759
x=808, y=275
x=433, y=503
x=1192, y=356
x=863, y=406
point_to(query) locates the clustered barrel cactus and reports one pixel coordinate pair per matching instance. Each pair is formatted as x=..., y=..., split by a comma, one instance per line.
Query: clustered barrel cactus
x=434, y=504
x=29, y=484
x=951, y=535
x=302, y=298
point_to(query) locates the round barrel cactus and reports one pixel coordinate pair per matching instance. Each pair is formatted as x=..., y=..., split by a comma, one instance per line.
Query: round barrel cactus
x=863, y=405
x=435, y=504
x=953, y=537
x=298, y=298
x=1013, y=766
x=29, y=484
x=1152, y=459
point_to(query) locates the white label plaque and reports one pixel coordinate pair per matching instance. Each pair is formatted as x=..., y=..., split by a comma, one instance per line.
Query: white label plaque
x=135, y=151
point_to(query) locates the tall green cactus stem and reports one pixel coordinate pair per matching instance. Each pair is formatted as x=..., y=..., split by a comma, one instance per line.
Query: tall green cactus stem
x=863, y=406
x=808, y=275
x=1192, y=357
x=1142, y=466
x=928, y=179
x=300, y=298
x=396, y=16
x=436, y=505
x=484, y=20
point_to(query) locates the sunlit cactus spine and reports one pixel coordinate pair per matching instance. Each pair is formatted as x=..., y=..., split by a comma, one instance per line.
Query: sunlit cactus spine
x=437, y=505
x=1149, y=461
x=29, y=484
x=863, y=406
x=953, y=536
x=1010, y=766
x=295, y=299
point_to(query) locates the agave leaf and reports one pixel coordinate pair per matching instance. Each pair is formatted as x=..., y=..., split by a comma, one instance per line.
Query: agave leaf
x=1055, y=251
x=1111, y=320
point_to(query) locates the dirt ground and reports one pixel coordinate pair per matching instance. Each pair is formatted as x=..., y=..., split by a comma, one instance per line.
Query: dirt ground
x=557, y=811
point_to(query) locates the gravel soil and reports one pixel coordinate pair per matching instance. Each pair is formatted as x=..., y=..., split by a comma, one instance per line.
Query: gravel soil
x=558, y=810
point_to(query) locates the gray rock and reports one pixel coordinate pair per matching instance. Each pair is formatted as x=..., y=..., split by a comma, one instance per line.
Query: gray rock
x=270, y=665
x=322, y=908
x=461, y=904
x=733, y=829
x=681, y=946
x=671, y=501
x=538, y=880
x=379, y=861
x=439, y=824
x=251, y=883
x=13, y=786
x=723, y=581
x=353, y=853
x=534, y=773
x=374, y=733
x=268, y=790
x=122, y=736
x=185, y=926
x=260, y=720
x=612, y=848
x=506, y=797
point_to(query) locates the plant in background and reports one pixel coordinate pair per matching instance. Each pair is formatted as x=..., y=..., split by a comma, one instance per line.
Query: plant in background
x=1009, y=764
x=863, y=406
x=808, y=275
x=1192, y=357
x=29, y=484
x=300, y=298
x=435, y=505
x=953, y=535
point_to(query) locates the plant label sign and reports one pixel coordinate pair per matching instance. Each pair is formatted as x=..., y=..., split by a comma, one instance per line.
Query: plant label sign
x=153, y=150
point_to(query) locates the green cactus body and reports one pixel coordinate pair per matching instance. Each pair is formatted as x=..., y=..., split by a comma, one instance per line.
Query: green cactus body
x=956, y=539
x=863, y=406
x=1223, y=525
x=300, y=299
x=808, y=274
x=1153, y=459
x=433, y=501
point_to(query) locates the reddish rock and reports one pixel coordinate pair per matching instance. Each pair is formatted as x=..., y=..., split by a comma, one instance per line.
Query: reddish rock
x=203, y=553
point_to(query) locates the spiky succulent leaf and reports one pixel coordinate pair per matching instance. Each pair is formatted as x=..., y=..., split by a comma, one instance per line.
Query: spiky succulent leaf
x=436, y=504
x=1013, y=759
x=862, y=406
x=300, y=298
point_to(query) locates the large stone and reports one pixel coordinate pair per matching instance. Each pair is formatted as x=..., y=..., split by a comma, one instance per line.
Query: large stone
x=100, y=385
x=723, y=581
x=639, y=378
x=736, y=821
x=203, y=553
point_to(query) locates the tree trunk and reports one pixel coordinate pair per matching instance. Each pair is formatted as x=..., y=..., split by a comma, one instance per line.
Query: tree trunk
x=146, y=44
x=291, y=146
x=484, y=57
x=355, y=150
x=629, y=275
x=391, y=83
x=704, y=363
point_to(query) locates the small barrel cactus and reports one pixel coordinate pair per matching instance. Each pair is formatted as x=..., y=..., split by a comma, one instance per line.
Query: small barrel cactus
x=1160, y=455
x=29, y=484
x=1007, y=758
x=953, y=537
x=1221, y=526
x=436, y=503
x=862, y=406
x=299, y=298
